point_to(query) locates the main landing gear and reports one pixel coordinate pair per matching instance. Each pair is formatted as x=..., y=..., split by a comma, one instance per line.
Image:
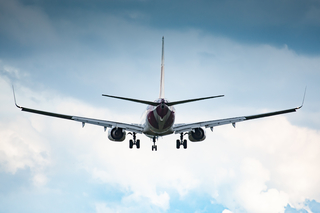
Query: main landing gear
x=134, y=141
x=154, y=146
x=182, y=142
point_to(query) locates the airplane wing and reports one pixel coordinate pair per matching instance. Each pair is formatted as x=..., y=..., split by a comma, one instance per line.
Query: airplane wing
x=106, y=124
x=180, y=128
x=137, y=128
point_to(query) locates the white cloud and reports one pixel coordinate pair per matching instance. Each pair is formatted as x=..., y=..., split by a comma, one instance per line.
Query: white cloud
x=252, y=191
x=11, y=71
x=284, y=166
x=21, y=145
x=40, y=179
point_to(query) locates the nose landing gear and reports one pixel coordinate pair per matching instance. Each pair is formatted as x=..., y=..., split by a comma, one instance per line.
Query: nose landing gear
x=182, y=142
x=134, y=141
x=154, y=146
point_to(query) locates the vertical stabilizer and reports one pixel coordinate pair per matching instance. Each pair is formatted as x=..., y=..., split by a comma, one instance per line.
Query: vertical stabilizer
x=162, y=71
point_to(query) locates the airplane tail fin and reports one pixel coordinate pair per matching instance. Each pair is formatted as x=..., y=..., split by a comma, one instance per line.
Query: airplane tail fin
x=161, y=96
x=162, y=71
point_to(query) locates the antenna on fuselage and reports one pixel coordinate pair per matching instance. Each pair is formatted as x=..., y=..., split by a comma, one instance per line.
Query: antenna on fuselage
x=162, y=71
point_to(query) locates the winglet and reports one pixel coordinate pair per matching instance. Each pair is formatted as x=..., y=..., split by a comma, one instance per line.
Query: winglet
x=304, y=95
x=14, y=96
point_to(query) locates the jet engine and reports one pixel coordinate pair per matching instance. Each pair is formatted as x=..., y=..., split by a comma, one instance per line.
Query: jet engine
x=116, y=134
x=197, y=134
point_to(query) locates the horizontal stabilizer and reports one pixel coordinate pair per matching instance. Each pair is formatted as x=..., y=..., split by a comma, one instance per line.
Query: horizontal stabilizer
x=192, y=100
x=134, y=100
x=156, y=103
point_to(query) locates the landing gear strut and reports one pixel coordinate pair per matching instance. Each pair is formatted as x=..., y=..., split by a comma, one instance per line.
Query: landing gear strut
x=181, y=142
x=134, y=141
x=154, y=146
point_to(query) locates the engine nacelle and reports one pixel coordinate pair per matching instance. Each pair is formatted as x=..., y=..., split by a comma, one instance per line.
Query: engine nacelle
x=116, y=134
x=197, y=135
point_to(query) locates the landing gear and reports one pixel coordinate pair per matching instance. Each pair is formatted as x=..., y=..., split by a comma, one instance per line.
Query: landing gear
x=134, y=141
x=178, y=144
x=130, y=144
x=184, y=144
x=154, y=146
x=181, y=142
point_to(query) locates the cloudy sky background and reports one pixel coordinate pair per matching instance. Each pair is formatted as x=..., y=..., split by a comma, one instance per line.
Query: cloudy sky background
x=62, y=55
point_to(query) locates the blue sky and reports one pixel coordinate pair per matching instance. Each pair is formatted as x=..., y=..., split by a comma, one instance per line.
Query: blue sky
x=62, y=55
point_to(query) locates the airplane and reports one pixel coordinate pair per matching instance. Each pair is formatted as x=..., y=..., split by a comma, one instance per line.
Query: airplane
x=159, y=119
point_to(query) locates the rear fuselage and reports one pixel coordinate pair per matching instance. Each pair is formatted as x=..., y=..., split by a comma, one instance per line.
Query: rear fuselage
x=158, y=120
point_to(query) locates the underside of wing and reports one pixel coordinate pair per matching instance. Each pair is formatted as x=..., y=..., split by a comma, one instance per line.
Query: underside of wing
x=106, y=124
x=136, y=128
x=180, y=128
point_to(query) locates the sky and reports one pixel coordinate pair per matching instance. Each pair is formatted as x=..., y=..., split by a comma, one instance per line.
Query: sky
x=62, y=55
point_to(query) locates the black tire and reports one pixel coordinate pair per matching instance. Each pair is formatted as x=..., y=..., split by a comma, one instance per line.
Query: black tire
x=185, y=144
x=130, y=144
x=138, y=144
x=178, y=144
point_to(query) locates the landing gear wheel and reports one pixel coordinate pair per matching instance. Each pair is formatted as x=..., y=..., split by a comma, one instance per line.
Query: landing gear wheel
x=130, y=144
x=184, y=143
x=181, y=142
x=154, y=147
x=178, y=144
x=134, y=141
